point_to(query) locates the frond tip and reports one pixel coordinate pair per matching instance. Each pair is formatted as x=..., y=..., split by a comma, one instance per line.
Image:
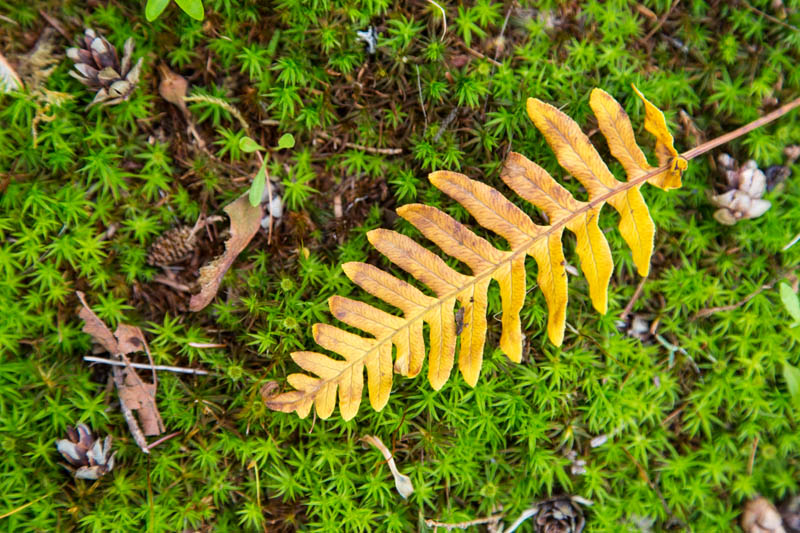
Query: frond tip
x=456, y=316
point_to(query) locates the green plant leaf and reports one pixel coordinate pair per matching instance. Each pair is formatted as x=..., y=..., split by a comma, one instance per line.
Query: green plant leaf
x=286, y=141
x=193, y=8
x=257, y=188
x=154, y=8
x=792, y=376
x=791, y=303
x=248, y=145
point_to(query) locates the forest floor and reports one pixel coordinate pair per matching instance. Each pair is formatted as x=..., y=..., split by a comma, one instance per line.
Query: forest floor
x=667, y=413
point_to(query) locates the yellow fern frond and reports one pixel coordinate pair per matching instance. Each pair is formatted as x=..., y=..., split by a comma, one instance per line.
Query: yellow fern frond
x=495, y=212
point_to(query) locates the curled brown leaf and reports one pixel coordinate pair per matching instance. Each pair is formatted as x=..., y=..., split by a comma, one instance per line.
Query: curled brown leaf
x=245, y=221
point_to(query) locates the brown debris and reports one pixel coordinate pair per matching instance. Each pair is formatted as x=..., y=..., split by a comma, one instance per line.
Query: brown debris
x=245, y=222
x=172, y=247
x=88, y=457
x=760, y=516
x=134, y=394
x=98, y=66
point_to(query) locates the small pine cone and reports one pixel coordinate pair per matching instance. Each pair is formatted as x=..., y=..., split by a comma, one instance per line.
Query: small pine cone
x=97, y=66
x=88, y=458
x=560, y=515
x=172, y=247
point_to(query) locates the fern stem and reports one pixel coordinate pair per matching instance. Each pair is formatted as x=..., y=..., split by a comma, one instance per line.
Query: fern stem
x=747, y=128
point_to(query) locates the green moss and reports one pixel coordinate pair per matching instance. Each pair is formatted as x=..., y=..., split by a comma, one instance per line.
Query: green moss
x=80, y=206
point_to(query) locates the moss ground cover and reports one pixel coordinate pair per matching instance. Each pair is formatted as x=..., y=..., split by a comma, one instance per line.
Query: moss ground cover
x=697, y=419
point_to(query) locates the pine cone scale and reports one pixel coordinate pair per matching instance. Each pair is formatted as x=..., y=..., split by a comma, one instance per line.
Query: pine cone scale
x=97, y=65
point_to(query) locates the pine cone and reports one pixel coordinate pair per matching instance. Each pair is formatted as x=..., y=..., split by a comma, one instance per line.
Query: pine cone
x=87, y=457
x=560, y=515
x=760, y=516
x=747, y=184
x=98, y=67
x=172, y=247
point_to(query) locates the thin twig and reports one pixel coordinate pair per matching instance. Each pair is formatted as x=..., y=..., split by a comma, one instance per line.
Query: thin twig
x=23, y=506
x=444, y=18
x=711, y=310
x=205, y=345
x=178, y=286
x=768, y=16
x=636, y=294
x=223, y=104
x=464, y=525
x=421, y=102
x=661, y=21
x=738, y=132
x=479, y=55
x=178, y=369
x=791, y=243
x=368, y=149
x=445, y=123
x=54, y=23
x=162, y=439
x=752, y=456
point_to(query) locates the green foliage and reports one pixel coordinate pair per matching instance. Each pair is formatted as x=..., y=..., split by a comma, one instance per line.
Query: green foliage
x=154, y=8
x=79, y=209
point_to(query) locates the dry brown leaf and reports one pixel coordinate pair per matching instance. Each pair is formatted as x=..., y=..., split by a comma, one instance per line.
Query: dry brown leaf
x=245, y=221
x=140, y=397
x=134, y=394
x=96, y=328
x=129, y=339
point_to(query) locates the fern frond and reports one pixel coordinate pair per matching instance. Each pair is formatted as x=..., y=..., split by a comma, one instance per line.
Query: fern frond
x=495, y=212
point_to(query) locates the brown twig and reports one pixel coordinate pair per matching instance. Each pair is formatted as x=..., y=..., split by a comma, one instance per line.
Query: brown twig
x=636, y=294
x=768, y=16
x=464, y=525
x=738, y=132
x=368, y=149
x=752, y=458
x=421, y=101
x=711, y=310
x=54, y=23
x=661, y=21
x=162, y=439
x=479, y=55
x=178, y=286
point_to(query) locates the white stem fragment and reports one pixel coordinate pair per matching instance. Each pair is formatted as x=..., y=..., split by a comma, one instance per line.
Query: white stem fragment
x=401, y=481
x=93, y=359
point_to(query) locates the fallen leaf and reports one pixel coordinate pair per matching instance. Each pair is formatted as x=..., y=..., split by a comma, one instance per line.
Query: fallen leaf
x=140, y=397
x=245, y=221
x=96, y=328
x=134, y=394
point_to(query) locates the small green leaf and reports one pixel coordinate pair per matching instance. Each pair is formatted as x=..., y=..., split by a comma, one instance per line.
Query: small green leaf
x=286, y=141
x=154, y=8
x=790, y=302
x=792, y=376
x=193, y=8
x=257, y=188
x=248, y=145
